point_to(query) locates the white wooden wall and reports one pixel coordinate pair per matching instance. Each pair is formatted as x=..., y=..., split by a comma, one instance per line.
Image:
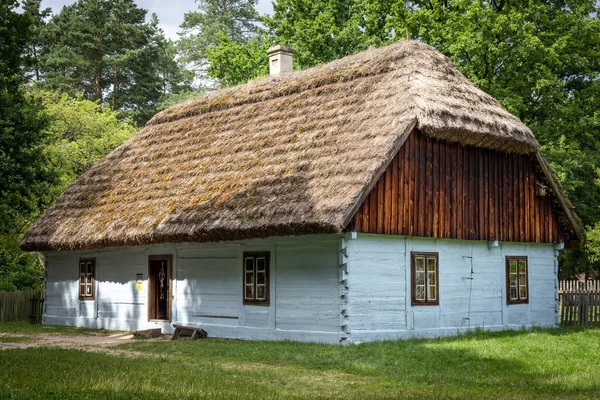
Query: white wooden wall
x=308, y=301
x=207, y=289
x=379, y=284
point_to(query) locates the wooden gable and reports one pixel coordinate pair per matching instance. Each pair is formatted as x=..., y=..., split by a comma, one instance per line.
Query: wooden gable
x=439, y=189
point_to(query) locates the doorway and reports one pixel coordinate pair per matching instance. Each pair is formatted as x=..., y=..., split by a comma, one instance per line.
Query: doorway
x=159, y=288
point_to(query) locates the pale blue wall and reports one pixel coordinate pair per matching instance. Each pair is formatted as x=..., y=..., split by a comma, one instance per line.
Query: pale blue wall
x=207, y=289
x=312, y=298
x=379, y=304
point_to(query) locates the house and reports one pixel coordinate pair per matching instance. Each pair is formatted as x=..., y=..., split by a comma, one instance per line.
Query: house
x=379, y=196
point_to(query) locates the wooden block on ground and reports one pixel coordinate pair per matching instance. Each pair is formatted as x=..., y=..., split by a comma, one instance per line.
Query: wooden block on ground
x=187, y=332
x=148, y=333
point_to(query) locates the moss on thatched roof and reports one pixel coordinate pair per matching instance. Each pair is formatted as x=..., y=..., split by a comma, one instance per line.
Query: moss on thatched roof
x=289, y=154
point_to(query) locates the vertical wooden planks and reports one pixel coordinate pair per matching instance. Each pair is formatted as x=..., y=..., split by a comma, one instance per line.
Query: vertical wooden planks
x=492, y=194
x=421, y=211
x=394, y=196
x=472, y=193
x=387, y=202
x=373, y=210
x=403, y=190
x=454, y=184
x=459, y=191
x=526, y=190
x=428, y=223
x=449, y=184
x=411, y=193
x=437, y=210
x=437, y=189
x=442, y=190
x=509, y=198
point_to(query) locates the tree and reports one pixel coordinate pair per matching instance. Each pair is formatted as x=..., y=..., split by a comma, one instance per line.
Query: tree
x=215, y=20
x=319, y=31
x=24, y=175
x=105, y=50
x=80, y=132
x=32, y=8
x=233, y=63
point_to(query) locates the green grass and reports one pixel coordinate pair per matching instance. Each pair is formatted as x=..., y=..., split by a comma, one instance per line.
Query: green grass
x=27, y=328
x=539, y=364
x=16, y=339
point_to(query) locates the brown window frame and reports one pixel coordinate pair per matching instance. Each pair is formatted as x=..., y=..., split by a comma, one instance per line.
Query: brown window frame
x=519, y=299
x=253, y=300
x=83, y=275
x=426, y=255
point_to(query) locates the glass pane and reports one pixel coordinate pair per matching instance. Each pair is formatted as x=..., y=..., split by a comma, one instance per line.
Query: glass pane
x=249, y=278
x=431, y=278
x=249, y=292
x=431, y=264
x=90, y=268
x=82, y=290
x=260, y=278
x=260, y=264
x=420, y=278
x=513, y=267
x=523, y=279
x=260, y=292
x=523, y=292
x=513, y=292
x=522, y=267
x=431, y=293
x=249, y=264
x=420, y=295
x=88, y=291
x=82, y=268
x=419, y=264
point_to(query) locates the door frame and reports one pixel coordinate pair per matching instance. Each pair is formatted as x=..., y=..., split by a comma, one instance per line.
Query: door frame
x=151, y=292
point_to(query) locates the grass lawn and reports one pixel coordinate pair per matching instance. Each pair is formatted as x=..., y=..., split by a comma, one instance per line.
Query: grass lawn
x=542, y=364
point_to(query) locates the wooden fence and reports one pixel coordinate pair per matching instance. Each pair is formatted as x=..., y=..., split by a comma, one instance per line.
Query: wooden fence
x=21, y=306
x=579, y=303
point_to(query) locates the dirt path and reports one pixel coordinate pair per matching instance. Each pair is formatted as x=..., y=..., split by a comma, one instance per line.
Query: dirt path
x=82, y=341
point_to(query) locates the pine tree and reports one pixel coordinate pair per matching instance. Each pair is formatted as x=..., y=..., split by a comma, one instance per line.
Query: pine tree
x=105, y=50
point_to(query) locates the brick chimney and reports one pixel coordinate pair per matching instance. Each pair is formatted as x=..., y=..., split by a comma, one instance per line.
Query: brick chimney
x=281, y=59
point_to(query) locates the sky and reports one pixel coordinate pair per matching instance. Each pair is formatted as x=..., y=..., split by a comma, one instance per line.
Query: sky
x=170, y=12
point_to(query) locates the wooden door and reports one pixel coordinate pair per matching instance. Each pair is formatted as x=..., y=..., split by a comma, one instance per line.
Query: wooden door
x=159, y=288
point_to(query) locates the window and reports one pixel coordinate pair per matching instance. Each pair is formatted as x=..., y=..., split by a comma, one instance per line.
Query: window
x=87, y=279
x=425, y=279
x=517, y=288
x=256, y=278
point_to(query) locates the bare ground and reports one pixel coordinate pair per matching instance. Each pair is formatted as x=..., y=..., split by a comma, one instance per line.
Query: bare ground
x=81, y=341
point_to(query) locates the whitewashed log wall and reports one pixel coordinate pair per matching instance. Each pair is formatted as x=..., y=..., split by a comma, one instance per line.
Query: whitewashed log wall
x=312, y=298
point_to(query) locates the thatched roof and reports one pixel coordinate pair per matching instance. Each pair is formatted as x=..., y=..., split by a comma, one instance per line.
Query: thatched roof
x=290, y=154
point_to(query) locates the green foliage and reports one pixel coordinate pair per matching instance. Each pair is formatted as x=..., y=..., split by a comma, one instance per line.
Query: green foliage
x=319, y=31
x=234, y=63
x=215, y=20
x=32, y=8
x=25, y=177
x=105, y=50
x=80, y=132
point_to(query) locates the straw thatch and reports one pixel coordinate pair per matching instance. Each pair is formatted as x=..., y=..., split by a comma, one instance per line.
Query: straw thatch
x=290, y=154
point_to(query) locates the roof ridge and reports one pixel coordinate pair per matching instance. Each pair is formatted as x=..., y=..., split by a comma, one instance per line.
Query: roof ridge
x=277, y=86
